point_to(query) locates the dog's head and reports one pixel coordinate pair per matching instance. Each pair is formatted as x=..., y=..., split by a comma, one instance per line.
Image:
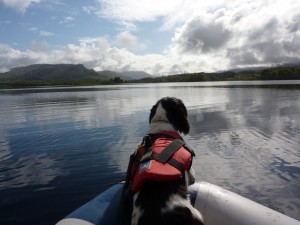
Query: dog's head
x=173, y=111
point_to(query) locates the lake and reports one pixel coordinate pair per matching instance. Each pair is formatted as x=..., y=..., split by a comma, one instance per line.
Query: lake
x=61, y=146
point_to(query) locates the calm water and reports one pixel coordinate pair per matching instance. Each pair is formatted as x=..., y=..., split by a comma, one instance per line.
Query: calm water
x=60, y=147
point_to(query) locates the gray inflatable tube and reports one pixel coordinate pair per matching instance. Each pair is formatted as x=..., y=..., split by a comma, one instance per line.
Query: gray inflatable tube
x=217, y=206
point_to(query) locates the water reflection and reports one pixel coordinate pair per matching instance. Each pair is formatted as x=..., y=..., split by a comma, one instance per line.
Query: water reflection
x=29, y=170
x=201, y=123
x=283, y=168
x=74, y=142
x=251, y=141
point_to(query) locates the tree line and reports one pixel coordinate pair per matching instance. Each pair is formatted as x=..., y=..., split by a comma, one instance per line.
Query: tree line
x=277, y=73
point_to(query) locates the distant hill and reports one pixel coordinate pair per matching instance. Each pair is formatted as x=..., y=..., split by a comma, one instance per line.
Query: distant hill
x=136, y=74
x=107, y=74
x=63, y=73
x=48, y=73
x=77, y=74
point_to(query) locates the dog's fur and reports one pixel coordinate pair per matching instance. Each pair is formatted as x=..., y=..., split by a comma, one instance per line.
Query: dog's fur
x=166, y=203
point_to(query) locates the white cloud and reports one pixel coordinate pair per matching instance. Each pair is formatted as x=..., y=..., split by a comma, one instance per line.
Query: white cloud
x=242, y=34
x=99, y=54
x=33, y=29
x=46, y=33
x=172, y=12
x=127, y=40
x=217, y=33
x=130, y=10
x=89, y=9
x=42, y=33
x=20, y=5
x=199, y=37
x=127, y=12
x=207, y=36
x=67, y=20
x=10, y=57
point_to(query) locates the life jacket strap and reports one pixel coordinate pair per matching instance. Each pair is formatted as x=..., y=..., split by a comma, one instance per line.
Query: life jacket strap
x=165, y=156
x=167, y=153
x=172, y=162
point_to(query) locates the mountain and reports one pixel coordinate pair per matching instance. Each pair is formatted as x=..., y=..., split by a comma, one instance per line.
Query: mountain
x=51, y=73
x=136, y=74
x=48, y=73
x=107, y=74
x=77, y=74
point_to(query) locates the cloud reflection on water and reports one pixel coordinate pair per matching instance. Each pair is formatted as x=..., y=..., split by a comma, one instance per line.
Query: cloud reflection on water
x=246, y=139
x=30, y=170
x=250, y=144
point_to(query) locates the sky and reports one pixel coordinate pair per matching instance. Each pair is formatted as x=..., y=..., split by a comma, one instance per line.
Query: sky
x=160, y=37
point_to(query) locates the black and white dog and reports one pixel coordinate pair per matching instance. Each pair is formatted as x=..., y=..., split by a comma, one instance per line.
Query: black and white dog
x=166, y=203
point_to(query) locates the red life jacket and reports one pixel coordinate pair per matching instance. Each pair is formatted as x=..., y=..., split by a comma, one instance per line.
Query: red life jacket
x=160, y=157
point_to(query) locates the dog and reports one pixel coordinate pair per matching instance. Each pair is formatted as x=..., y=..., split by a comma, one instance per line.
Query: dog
x=167, y=202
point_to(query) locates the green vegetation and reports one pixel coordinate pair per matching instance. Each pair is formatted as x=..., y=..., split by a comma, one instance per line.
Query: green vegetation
x=56, y=83
x=117, y=80
x=276, y=73
x=78, y=75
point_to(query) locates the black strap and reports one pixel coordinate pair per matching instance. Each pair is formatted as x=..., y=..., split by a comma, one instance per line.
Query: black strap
x=172, y=162
x=177, y=165
x=167, y=153
x=189, y=149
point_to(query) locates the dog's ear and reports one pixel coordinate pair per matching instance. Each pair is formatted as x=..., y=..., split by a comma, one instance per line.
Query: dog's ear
x=181, y=215
x=153, y=111
x=176, y=113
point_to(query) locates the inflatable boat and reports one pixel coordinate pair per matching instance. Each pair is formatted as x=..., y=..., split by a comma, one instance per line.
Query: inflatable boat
x=217, y=205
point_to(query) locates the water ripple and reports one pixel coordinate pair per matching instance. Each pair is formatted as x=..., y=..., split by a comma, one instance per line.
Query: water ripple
x=72, y=144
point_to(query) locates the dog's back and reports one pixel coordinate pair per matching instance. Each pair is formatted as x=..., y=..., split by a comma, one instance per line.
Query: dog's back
x=164, y=203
